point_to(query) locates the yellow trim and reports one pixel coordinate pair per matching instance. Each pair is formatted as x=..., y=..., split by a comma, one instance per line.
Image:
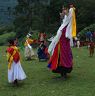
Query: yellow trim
x=10, y=57
x=28, y=41
x=73, y=24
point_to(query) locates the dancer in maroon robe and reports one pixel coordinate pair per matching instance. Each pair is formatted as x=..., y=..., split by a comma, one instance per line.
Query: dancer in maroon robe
x=61, y=60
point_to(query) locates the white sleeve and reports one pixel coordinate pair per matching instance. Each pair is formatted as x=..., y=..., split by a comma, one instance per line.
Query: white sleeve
x=58, y=35
x=65, y=23
x=69, y=27
x=70, y=13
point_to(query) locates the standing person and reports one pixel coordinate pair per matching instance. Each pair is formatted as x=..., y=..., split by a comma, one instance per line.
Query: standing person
x=89, y=36
x=29, y=53
x=42, y=52
x=78, y=44
x=72, y=24
x=91, y=49
x=42, y=37
x=61, y=60
x=15, y=71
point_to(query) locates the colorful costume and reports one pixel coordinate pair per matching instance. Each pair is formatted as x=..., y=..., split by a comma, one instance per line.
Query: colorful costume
x=42, y=37
x=15, y=71
x=61, y=60
x=28, y=48
x=42, y=52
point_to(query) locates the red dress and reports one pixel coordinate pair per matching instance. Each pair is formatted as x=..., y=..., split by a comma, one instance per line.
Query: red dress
x=16, y=56
x=62, y=59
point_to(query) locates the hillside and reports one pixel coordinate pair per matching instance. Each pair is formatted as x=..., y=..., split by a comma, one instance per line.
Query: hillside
x=6, y=11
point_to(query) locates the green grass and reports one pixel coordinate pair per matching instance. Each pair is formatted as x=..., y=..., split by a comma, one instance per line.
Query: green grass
x=42, y=82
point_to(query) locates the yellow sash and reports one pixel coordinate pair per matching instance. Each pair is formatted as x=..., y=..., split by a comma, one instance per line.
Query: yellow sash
x=73, y=24
x=28, y=41
x=10, y=57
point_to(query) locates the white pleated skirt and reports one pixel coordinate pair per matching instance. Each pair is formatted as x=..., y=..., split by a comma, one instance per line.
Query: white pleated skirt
x=16, y=72
x=29, y=52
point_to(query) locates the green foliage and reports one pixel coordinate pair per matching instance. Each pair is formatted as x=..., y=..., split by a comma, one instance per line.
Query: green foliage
x=35, y=34
x=44, y=15
x=5, y=29
x=82, y=33
x=5, y=37
x=6, y=32
x=23, y=20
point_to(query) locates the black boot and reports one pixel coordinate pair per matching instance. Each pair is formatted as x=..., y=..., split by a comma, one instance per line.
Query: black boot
x=64, y=75
x=16, y=82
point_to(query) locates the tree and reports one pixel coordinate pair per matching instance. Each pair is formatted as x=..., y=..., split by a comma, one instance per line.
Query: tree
x=30, y=13
x=43, y=15
x=23, y=20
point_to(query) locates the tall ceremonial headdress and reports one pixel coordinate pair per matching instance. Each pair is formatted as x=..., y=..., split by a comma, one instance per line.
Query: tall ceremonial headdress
x=28, y=35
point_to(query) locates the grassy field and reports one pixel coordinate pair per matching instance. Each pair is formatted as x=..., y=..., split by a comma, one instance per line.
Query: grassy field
x=42, y=82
